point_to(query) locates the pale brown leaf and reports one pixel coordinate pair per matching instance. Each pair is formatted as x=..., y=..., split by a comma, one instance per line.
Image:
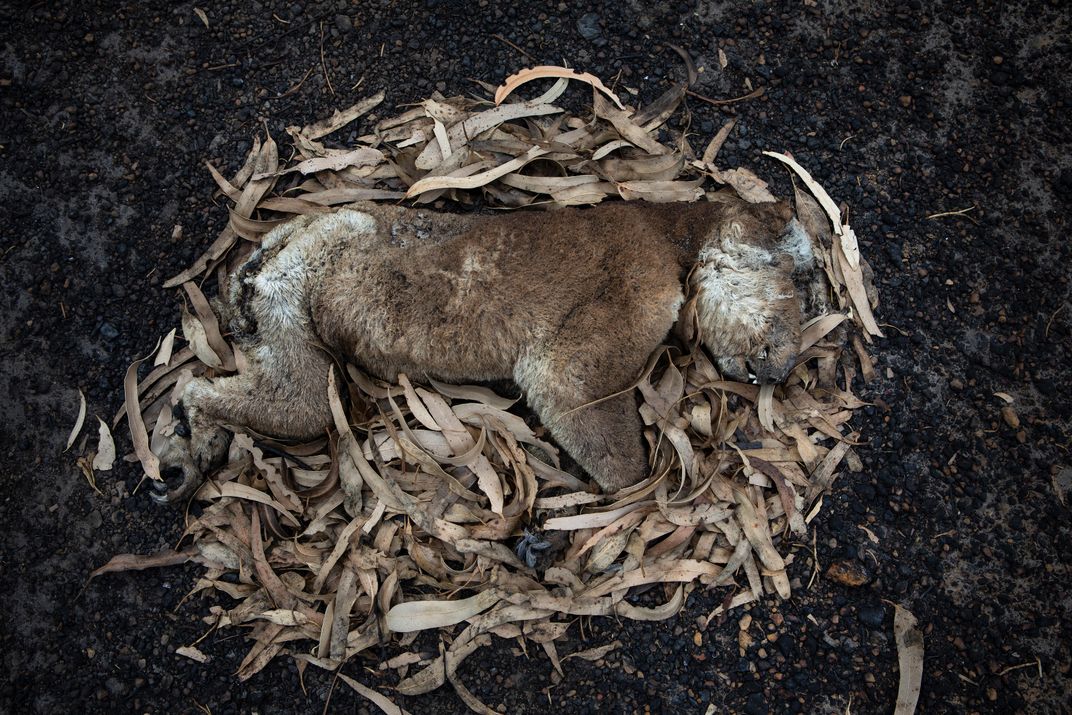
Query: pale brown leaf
x=909, y=641
x=544, y=71
x=79, y=420
x=139, y=562
x=105, y=457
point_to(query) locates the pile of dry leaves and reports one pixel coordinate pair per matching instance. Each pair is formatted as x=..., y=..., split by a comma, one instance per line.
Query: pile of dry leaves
x=434, y=506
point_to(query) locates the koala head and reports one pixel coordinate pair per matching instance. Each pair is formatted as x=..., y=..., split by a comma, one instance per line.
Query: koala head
x=753, y=283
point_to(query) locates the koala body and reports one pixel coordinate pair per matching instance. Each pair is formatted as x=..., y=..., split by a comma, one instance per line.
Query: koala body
x=568, y=304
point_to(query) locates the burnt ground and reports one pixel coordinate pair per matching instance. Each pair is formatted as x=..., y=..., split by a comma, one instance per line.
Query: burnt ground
x=901, y=109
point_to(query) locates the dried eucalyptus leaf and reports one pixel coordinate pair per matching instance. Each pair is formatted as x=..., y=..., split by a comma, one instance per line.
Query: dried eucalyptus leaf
x=79, y=420
x=909, y=641
x=422, y=615
x=543, y=71
x=105, y=457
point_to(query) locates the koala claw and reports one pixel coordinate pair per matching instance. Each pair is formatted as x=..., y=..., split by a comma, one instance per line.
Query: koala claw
x=531, y=547
x=163, y=495
x=176, y=461
x=159, y=492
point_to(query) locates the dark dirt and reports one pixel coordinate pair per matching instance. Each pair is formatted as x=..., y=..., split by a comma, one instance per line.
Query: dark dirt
x=901, y=109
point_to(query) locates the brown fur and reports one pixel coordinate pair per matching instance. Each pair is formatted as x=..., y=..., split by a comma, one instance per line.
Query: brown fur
x=568, y=304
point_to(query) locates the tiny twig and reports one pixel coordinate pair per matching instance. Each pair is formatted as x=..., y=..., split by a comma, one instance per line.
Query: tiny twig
x=614, y=82
x=505, y=41
x=959, y=212
x=323, y=64
x=844, y=141
x=296, y=87
x=902, y=331
x=1049, y=323
x=1036, y=662
x=758, y=92
x=814, y=559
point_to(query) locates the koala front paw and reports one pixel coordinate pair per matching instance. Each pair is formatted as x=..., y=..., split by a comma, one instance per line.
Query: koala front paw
x=181, y=476
x=189, y=453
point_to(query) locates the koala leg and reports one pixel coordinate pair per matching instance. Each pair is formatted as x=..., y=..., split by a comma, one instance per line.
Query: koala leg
x=605, y=438
x=566, y=380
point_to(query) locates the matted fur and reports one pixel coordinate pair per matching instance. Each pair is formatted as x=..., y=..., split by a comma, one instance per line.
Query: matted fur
x=568, y=304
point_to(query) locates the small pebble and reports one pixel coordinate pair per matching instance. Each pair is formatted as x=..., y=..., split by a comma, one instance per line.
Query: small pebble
x=1011, y=418
x=873, y=616
x=588, y=26
x=848, y=573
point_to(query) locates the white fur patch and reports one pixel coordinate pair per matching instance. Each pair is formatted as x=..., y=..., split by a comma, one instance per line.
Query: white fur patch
x=282, y=281
x=797, y=243
x=737, y=296
x=735, y=253
x=345, y=220
x=281, y=286
x=731, y=300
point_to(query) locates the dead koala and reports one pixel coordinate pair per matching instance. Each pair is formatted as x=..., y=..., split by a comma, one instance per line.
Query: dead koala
x=568, y=304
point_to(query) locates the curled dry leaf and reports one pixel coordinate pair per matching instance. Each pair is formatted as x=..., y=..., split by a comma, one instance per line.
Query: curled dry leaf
x=340, y=119
x=167, y=346
x=137, y=562
x=422, y=615
x=543, y=71
x=661, y=192
x=380, y=701
x=362, y=156
x=189, y=651
x=831, y=208
x=79, y=420
x=138, y=434
x=594, y=653
x=471, y=182
x=715, y=145
x=194, y=332
x=105, y=457
x=747, y=185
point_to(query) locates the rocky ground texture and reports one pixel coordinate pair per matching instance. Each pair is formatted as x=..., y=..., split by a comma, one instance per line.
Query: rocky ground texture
x=903, y=110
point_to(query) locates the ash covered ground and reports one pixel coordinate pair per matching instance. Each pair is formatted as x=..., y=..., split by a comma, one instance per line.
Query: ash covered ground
x=902, y=110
